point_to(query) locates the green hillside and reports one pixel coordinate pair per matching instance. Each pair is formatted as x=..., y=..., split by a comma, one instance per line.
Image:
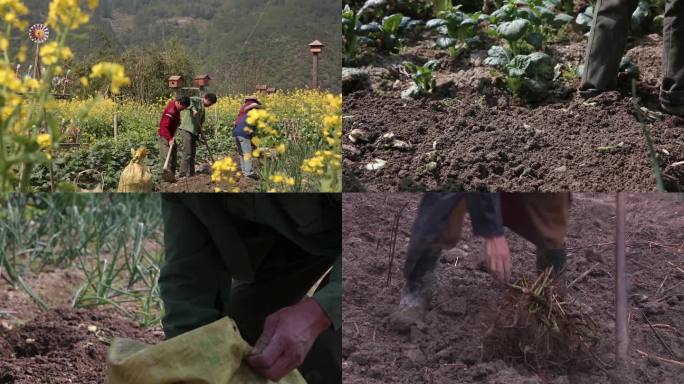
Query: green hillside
x=240, y=43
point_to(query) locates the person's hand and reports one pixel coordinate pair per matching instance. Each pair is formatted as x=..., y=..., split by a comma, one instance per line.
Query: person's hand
x=287, y=337
x=173, y=140
x=498, y=258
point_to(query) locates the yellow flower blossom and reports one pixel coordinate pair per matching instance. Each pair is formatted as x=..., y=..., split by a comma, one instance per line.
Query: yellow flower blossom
x=113, y=71
x=51, y=53
x=11, y=10
x=225, y=170
x=21, y=55
x=44, y=140
x=280, y=149
x=4, y=43
x=67, y=13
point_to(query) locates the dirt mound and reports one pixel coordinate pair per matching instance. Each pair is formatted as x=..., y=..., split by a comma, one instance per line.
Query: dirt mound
x=445, y=345
x=64, y=345
x=536, y=327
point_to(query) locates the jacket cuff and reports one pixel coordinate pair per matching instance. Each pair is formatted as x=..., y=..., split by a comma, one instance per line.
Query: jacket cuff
x=330, y=296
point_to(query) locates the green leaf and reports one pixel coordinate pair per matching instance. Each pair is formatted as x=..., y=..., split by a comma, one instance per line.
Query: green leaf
x=505, y=13
x=535, y=39
x=545, y=14
x=540, y=66
x=498, y=56
x=372, y=27
x=561, y=19
x=434, y=23
x=445, y=42
x=432, y=64
x=528, y=14
x=628, y=67
x=390, y=24
x=584, y=19
x=513, y=30
x=518, y=66
x=640, y=16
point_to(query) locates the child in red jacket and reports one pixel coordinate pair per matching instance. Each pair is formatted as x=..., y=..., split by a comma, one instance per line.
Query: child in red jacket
x=169, y=123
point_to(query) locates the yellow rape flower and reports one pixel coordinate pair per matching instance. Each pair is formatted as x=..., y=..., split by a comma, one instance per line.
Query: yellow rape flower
x=4, y=43
x=51, y=53
x=44, y=140
x=113, y=71
x=21, y=55
x=67, y=13
x=10, y=10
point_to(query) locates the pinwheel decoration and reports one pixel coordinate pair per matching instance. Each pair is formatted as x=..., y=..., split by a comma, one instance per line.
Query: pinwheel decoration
x=39, y=33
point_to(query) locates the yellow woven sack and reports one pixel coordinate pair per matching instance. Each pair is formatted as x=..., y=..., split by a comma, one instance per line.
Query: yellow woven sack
x=136, y=177
x=212, y=354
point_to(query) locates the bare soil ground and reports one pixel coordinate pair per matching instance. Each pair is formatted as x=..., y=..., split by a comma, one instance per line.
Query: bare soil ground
x=481, y=138
x=447, y=347
x=201, y=182
x=57, y=346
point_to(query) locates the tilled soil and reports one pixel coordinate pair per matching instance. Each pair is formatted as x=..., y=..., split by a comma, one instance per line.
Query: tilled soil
x=446, y=347
x=201, y=182
x=475, y=136
x=58, y=347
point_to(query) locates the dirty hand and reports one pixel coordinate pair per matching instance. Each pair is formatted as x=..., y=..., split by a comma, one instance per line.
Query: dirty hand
x=287, y=337
x=498, y=257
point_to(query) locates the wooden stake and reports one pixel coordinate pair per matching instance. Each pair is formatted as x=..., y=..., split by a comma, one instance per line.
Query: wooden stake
x=116, y=126
x=621, y=335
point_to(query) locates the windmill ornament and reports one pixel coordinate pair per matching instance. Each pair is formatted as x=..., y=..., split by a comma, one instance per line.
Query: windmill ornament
x=38, y=33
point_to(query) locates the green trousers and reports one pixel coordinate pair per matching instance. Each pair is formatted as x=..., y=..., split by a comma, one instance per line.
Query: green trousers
x=197, y=286
x=187, y=165
x=607, y=44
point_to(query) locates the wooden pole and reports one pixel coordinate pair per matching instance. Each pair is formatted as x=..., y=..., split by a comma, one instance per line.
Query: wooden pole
x=116, y=126
x=314, y=74
x=621, y=334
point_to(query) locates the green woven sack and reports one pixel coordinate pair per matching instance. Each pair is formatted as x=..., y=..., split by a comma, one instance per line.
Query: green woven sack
x=212, y=354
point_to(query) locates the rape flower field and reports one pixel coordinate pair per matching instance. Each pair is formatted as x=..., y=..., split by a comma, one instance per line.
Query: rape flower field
x=294, y=131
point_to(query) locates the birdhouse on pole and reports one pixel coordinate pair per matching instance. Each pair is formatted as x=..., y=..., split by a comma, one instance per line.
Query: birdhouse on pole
x=202, y=81
x=316, y=47
x=175, y=81
x=261, y=88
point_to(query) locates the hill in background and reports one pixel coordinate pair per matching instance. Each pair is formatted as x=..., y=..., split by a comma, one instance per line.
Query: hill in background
x=239, y=43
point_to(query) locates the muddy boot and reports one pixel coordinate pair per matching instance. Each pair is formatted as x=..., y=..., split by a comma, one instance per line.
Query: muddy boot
x=413, y=305
x=554, y=258
x=673, y=109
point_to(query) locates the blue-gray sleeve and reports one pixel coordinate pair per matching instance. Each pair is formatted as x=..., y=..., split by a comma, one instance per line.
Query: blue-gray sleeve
x=485, y=214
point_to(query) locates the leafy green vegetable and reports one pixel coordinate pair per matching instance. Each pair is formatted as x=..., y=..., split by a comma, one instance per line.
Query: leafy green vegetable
x=584, y=18
x=498, y=56
x=641, y=17
x=513, y=30
x=561, y=19
x=422, y=75
x=385, y=33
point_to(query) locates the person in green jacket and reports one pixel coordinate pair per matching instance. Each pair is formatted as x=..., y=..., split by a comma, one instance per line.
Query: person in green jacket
x=273, y=248
x=192, y=121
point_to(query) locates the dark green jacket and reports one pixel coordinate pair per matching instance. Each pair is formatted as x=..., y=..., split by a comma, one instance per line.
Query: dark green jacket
x=193, y=118
x=312, y=221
